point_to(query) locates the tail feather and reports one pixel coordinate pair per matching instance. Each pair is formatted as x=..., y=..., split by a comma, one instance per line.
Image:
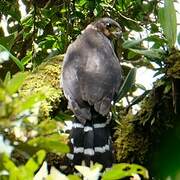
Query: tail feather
x=91, y=142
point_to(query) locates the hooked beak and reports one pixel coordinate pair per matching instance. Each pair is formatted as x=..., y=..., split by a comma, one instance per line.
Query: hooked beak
x=117, y=32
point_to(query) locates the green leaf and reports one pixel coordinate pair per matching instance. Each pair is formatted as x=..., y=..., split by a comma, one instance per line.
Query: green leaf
x=8, y=164
x=73, y=177
x=138, y=99
x=8, y=41
x=140, y=86
x=7, y=78
x=178, y=38
x=131, y=43
x=42, y=172
x=51, y=143
x=91, y=173
x=155, y=38
x=150, y=53
x=47, y=126
x=167, y=18
x=56, y=174
x=63, y=116
x=29, y=101
x=130, y=23
x=82, y=2
x=16, y=82
x=127, y=84
x=33, y=163
x=16, y=60
x=23, y=172
x=123, y=170
x=27, y=20
x=27, y=58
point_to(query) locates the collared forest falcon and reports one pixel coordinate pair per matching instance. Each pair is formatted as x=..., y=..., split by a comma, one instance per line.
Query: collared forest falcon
x=91, y=78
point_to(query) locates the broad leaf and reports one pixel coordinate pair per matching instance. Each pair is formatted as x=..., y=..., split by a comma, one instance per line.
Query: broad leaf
x=29, y=101
x=91, y=173
x=131, y=43
x=167, y=18
x=8, y=164
x=16, y=82
x=52, y=143
x=56, y=175
x=8, y=41
x=150, y=53
x=34, y=162
x=124, y=170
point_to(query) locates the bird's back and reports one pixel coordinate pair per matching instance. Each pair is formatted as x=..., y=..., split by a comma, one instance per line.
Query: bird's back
x=91, y=74
x=90, y=79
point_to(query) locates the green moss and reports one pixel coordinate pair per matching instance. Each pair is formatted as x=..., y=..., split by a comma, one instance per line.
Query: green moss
x=130, y=144
x=45, y=78
x=137, y=135
x=174, y=65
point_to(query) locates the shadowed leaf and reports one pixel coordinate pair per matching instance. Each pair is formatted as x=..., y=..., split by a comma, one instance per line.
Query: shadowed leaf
x=127, y=84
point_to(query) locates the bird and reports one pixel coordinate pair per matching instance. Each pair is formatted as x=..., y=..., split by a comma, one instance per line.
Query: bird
x=91, y=78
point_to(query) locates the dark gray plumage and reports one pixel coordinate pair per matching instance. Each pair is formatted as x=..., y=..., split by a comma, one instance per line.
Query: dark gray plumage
x=91, y=78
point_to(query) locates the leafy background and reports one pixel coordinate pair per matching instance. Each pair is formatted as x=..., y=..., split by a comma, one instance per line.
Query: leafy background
x=32, y=106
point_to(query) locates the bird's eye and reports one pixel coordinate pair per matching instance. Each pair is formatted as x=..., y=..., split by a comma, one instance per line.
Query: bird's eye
x=108, y=25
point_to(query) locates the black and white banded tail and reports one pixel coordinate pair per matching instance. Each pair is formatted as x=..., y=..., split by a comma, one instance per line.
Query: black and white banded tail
x=91, y=142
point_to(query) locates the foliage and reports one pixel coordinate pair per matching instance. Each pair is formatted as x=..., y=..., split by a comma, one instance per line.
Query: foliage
x=32, y=109
x=23, y=172
x=118, y=171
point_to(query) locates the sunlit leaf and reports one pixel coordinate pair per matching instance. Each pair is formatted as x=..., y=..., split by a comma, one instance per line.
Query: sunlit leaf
x=167, y=18
x=42, y=172
x=73, y=177
x=51, y=143
x=34, y=162
x=47, y=126
x=27, y=20
x=23, y=172
x=16, y=60
x=82, y=2
x=91, y=173
x=16, y=82
x=27, y=58
x=56, y=175
x=124, y=170
x=8, y=164
x=7, y=78
x=29, y=101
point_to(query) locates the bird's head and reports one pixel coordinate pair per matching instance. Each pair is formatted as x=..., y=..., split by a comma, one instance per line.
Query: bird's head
x=108, y=27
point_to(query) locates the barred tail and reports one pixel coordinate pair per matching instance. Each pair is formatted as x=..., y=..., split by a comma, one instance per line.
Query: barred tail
x=91, y=142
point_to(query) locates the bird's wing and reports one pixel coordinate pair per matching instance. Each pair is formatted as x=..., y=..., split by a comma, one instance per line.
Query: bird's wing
x=100, y=76
x=91, y=75
x=71, y=85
